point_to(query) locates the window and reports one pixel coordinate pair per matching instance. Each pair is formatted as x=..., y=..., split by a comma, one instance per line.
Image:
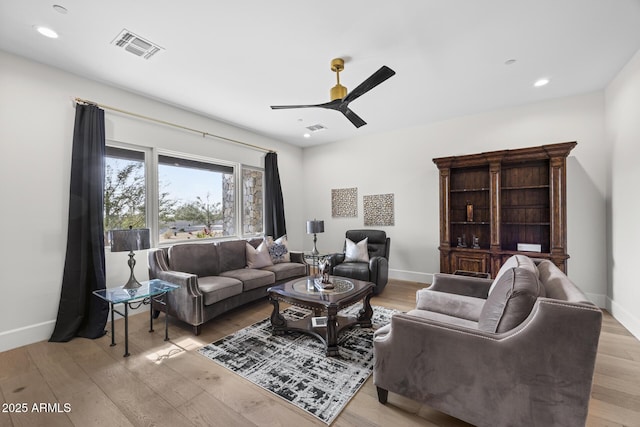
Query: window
x=197, y=199
x=180, y=198
x=124, y=189
x=252, y=201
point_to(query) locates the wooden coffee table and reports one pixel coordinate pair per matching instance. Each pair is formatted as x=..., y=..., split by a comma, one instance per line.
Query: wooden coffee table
x=324, y=304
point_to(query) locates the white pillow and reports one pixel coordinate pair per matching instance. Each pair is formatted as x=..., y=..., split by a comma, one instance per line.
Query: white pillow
x=258, y=257
x=356, y=252
x=278, y=249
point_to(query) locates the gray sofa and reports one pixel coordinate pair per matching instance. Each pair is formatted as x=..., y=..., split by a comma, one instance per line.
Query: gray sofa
x=214, y=277
x=516, y=351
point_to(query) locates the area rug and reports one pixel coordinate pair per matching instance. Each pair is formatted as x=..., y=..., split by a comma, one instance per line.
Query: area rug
x=294, y=366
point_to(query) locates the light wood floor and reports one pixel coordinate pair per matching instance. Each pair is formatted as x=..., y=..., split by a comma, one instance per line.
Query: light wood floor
x=169, y=384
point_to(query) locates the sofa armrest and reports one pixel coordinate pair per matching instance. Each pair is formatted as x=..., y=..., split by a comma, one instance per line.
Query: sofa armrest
x=297, y=257
x=461, y=285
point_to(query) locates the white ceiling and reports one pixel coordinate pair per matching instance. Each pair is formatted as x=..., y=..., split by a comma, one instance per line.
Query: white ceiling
x=232, y=60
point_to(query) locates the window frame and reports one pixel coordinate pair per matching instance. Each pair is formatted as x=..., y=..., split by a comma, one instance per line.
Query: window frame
x=152, y=189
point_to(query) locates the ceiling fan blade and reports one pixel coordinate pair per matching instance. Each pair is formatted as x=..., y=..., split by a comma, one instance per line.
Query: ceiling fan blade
x=374, y=80
x=332, y=105
x=285, y=107
x=353, y=117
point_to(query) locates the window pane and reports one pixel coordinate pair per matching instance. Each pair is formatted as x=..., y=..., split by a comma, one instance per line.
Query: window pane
x=196, y=199
x=252, y=201
x=124, y=189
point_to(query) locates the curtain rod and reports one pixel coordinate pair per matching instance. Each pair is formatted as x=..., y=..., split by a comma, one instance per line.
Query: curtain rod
x=203, y=133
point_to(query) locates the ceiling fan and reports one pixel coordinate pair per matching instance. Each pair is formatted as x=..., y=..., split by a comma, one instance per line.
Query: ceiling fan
x=339, y=98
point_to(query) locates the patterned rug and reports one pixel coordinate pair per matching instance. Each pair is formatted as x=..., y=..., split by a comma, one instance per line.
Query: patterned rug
x=294, y=366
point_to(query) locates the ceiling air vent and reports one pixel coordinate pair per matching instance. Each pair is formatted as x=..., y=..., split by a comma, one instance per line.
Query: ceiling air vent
x=136, y=44
x=316, y=128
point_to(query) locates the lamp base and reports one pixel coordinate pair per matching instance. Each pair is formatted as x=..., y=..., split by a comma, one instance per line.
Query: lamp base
x=315, y=251
x=132, y=283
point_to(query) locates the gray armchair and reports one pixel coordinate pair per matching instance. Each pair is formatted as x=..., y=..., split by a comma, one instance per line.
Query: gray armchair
x=520, y=355
x=376, y=270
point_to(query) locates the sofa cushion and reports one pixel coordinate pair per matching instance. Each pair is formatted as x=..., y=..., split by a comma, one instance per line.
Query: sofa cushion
x=217, y=288
x=258, y=257
x=356, y=252
x=445, y=318
x=462, y=306
x=286, y=270
x=521, y=261
x=232, y=254
x=251, y=278
x=511, y=300
x=279, y=249
x=355, y=270
x=200, y=259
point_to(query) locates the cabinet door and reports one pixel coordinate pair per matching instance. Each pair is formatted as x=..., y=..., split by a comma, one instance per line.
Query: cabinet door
x=470, y=261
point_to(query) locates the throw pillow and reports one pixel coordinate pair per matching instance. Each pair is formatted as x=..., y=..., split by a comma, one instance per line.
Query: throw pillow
x=521, y=261
x=511, y=301
x=278, y=249
x=258, y=257
x=356, y=252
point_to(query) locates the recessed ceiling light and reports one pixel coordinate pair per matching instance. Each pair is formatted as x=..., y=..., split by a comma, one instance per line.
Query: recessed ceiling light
x=307, y=135
x=60, y=9
x=541, y=82
x=47, y=32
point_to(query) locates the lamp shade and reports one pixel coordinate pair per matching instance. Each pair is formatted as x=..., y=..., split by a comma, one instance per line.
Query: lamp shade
x=133, y=239
x=315, y=226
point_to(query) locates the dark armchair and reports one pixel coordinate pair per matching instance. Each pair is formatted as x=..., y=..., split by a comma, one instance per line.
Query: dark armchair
x=376, y=269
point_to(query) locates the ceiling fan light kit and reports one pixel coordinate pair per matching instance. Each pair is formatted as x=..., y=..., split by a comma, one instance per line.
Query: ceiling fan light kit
x=340, y=99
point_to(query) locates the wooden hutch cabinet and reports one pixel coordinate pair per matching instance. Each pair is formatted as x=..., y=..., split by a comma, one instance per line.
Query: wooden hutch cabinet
x=496, y=204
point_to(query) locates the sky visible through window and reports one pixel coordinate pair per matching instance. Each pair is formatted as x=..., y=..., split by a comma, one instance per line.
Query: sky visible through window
x=187, y=184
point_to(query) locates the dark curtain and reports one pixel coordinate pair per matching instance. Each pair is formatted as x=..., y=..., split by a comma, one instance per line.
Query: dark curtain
x=81, y=313
x=273, y=204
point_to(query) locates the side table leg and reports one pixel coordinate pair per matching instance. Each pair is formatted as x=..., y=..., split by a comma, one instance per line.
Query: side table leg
x=126, y=330
x=113, y=332
x=166, y=318
x=365, y=314
x=151, y=314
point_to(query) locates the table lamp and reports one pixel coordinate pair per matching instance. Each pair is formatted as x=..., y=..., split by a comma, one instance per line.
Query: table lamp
x=133, y=239
x=313, y=227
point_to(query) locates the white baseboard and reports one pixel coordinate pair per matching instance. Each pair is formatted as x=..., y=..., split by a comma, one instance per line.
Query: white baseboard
x=626, y=318
x=411, y=276
x=26, y=335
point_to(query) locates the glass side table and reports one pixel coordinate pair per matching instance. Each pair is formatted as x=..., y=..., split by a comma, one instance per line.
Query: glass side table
x=151, y=292
x=313, y=260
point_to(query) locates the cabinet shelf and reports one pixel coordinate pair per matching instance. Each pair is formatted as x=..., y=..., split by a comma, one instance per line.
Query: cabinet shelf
x=527, y=223
x=469, y=190
x=470, y=223
x=527, y=187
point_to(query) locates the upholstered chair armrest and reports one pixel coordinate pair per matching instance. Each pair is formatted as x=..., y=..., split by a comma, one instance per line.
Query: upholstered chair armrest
x=335, y=259
x=461, y=285
x=379, y=270
x=297, y=257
